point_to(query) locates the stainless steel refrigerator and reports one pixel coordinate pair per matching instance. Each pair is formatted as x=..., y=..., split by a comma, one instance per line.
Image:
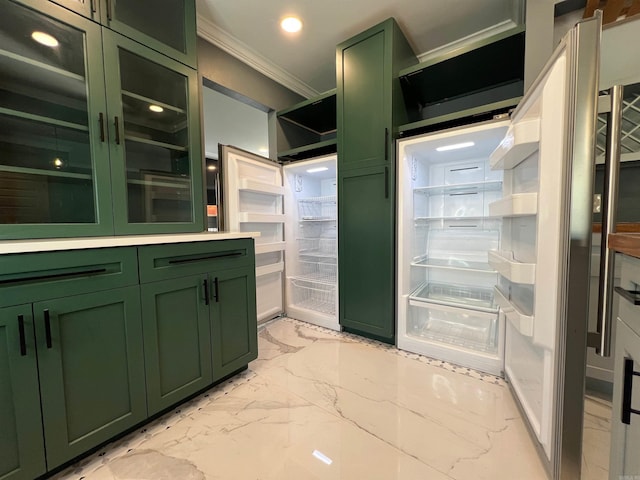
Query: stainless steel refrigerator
x=494, y=245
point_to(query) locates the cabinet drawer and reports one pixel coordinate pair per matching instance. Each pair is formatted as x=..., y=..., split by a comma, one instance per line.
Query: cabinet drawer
x=161, y=262
x=630, y=281
x=31, y=277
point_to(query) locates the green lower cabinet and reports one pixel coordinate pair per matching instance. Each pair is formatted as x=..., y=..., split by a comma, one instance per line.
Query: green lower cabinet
x=366, y=233
x=21, y=443
x=177, y=339
x=233, y=320
x=91, y=365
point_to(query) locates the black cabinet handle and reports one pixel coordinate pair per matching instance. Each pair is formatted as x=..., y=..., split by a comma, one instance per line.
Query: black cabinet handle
x=627, y=391
x=386, y=144
x=109, y=10
x=47, y=328
x=206, y=291
x=179, y=261
x=217, y=291
x=93, y=6
x=23, y=338
x=116, y=123
x=632, y=296
x=101, y=122
x=386, y=182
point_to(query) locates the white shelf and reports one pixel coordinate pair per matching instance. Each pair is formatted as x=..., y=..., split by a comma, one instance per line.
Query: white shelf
x=516, y=205
x=519, y=143
x=270, y=247
x=461, y=296
x=522, y=322
x=268, y=269
x=452, y=264
x=254, y=186
x=511, y=269
x=250, y=217
x=460, y=188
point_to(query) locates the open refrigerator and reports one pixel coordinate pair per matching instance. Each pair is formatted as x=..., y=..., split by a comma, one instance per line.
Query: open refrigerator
x=494, y=245
x=294, y=207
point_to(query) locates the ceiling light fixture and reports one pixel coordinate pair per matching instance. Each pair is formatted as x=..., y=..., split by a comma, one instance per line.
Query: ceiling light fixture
x=45, y=39
x=291, y=24
x=156, y=108
x=211, y=167
x=316, y=170
x=455, y=146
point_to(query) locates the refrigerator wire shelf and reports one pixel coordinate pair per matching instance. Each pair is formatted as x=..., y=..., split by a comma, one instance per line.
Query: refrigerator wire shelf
x=313, y=296
x=456, y=295
x=318, y=247
x=317, y=209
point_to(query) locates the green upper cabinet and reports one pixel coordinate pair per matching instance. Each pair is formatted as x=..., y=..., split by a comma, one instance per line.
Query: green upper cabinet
x=21, y=443
x=156, y=163
x=168, y=26
x=91, y=365
x=53, y=160
x=369, y=98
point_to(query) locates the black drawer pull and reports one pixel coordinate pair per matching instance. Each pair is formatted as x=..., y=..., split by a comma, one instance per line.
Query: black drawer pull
x=386, y=182
x=54, y=276
x=386, y=144
x=101, y=122
x=179, y=261
x=632, y=296
x=23, y=338
x=627, y=391
x=47, y=328
x=206, y=291
x=116, y=124
x=217, y=290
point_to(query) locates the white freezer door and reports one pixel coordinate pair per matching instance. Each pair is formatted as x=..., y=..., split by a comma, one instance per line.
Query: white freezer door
x=253, y=201
x=548, y=157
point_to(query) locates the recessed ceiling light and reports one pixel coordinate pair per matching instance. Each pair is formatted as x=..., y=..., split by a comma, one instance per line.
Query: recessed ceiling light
x=316, y=170
x=156, y=108
x=57, y=162
x=455, y=146
x=45, y=39
x=291, y=24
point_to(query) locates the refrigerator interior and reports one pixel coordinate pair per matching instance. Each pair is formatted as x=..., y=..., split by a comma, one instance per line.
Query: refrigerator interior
x=311, y=248
x=446, y=307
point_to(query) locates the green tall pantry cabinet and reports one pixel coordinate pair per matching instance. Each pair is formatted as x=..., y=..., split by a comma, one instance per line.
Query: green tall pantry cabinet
x=369, y=106
x=99, y=134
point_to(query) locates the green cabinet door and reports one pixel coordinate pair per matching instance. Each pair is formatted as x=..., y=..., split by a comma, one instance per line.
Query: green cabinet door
x=91, y=364
x=177, y=339
x=234, y=322
x=87, y=8
x=21, y=442
x=366, y=244
x=156, y=161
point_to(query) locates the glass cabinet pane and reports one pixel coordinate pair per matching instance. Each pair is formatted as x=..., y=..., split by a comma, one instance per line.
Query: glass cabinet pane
x=156, y=141
x=46, y=168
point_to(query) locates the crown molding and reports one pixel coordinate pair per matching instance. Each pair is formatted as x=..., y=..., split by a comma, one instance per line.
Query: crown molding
x=234, y=47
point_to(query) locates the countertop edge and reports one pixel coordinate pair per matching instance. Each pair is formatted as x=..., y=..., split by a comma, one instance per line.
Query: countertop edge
x=80, y=243
x=627, y=243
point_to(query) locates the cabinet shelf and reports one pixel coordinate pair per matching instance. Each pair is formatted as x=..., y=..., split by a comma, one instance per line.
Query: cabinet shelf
x=43, y=119
x=154, y=143
x=48, y=173
x=250, y=217
x=521, y=321
x=519, y=143
x=452, y=264
x=475, y=298
x=151, y=101
x=316, y=149
x=460, y=189
x=512, y=269
x=254, y=186
x=516, y=205
x=317, y=114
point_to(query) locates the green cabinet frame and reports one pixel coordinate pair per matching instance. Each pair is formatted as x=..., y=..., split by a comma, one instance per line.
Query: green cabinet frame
x=86, y=8
x=91, y=365
x=177, y=339
x=22, y=454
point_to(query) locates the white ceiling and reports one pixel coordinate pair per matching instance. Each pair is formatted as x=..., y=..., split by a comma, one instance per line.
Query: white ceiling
x=305, y=62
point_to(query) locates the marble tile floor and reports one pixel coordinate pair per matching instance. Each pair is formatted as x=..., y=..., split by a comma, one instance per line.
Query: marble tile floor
x=318, y=404
x=596, y=438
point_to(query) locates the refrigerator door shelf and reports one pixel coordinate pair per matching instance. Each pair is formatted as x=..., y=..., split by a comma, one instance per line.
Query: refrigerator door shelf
x=270, y=247
x=248, y=185
x=521, y=141
x=516, y=205
x=269, y=269
x=512, y=269
x=461, y=296
x=522, y=322
x=250, y=217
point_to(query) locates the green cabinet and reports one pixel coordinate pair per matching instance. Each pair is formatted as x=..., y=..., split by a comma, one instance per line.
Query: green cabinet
x=91, y=367
x=21, y=444
x=177, y=339
x=369, y=108
x=233, y=320
x=168, y=26
x=99, y=134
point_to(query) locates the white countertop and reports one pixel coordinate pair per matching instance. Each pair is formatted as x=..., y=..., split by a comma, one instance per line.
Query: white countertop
x=77, y=243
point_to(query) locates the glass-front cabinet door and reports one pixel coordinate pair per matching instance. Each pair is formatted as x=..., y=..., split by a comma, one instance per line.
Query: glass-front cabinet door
x=156, y=163
x=88, y=8
x=54, y=164
x=168, y=26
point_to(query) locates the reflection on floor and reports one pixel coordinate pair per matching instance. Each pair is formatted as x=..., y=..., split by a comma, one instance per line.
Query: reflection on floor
x=325, y=405
x=596, y=438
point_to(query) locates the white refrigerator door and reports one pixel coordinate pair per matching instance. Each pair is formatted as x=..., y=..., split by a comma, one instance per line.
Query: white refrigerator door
x=253, y=201
x=548, y=162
